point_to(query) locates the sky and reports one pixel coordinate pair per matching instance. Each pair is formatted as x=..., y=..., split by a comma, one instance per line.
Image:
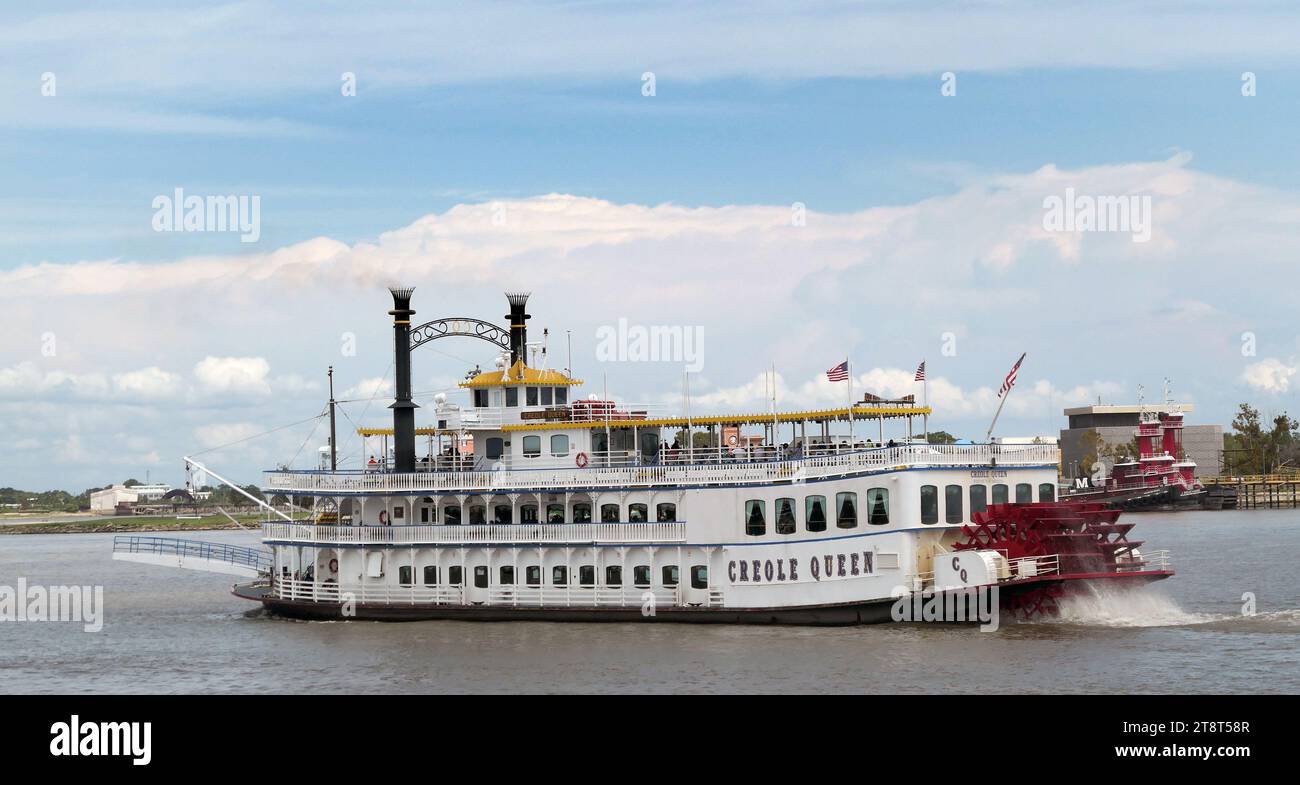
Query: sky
x=791, y=184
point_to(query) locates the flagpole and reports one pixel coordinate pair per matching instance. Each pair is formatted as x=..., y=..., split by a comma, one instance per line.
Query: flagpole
x=988, y=438
x=848, y=365
x=925, y=391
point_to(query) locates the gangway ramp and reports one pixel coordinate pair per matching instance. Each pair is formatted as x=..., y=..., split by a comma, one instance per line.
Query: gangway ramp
x=192, y=555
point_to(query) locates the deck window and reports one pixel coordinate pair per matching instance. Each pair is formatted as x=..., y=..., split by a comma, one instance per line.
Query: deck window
x=878, y=506
x=641, y=575
x=785, y=522
x=430, y=575
x=666, y=512
x=530, y=396
x=451, y=516
x=547, y=393
x=609, y=513
x=952, y=512
x=699, y=577
x=532, y=446
x=561, y=396
x=614, y=576
x=481, y=399
x=455, y=575
x=814, y=519
x=507, y=576
x=636, y=513
x=404, y=575
x=477, y=514
x=1024, y=493
x=560, y=576
x=1047, y=492
x=480, y=577
x=979, y=498
x=533, y=575
x=587, y=575
x=495, y=446
x=512, y=396
x=555, y=513
x=755, y=517
x=1000, y=494
x=582, y=512
x=501, y=513
x=929, y=504
x=560, y=445
x=528, y=513
x=671, y=575
x=846, y=505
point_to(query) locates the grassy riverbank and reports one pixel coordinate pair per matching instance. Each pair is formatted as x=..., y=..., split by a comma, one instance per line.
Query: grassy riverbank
x=128, y=524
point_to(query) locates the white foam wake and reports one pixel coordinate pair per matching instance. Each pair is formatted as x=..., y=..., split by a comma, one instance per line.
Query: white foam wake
x=1134, y=606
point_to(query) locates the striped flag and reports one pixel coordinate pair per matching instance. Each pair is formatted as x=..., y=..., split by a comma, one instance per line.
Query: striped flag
x=1010, y=381
x=920, y=372
x=839, y=373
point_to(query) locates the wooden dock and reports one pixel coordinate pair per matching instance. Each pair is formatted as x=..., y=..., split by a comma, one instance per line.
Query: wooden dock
x=1260, y=491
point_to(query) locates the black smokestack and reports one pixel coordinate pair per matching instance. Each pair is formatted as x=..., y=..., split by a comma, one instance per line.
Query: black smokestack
x=403, y=408
x=518, y=325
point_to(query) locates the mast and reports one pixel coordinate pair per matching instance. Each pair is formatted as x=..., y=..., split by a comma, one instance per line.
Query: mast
x=334, y=453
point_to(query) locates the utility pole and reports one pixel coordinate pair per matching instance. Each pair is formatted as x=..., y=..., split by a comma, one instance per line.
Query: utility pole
x=334, y=453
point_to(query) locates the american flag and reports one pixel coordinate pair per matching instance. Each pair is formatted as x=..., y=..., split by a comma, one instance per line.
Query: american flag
x=1010, y=381
x=920, y=372
x=839, y=373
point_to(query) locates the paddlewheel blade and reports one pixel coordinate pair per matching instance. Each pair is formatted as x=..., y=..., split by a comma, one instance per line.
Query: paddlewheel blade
x=1066, y=542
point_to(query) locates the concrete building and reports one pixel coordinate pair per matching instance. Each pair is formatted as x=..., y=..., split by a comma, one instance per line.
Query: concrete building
x=1116, y=425
x=108, y=499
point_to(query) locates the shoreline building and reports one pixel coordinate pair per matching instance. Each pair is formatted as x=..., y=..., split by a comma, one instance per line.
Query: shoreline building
x=1117, y=425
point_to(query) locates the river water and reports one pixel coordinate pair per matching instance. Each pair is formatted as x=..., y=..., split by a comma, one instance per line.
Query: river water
x=177, y=631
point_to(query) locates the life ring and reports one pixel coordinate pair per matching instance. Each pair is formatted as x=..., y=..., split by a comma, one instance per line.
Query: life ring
x=581, y=460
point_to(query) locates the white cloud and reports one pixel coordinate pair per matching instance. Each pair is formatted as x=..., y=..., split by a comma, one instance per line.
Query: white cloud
x=151, y=382
x=409, y=46
x=366, y=389
x=233, y=375
x=881, y=284
x=1269, y=375
x=216, y=435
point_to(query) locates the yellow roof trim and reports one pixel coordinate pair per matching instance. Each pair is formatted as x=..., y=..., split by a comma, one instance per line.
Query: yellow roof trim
x=520, y=374
x=859, y=413
x=389, y=431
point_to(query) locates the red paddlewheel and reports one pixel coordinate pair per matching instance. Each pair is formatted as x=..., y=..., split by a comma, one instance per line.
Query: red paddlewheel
x=1084, y=535
x=1036, y=603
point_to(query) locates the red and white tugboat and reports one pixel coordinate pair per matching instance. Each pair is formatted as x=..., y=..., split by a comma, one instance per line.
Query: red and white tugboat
x=1162, y=477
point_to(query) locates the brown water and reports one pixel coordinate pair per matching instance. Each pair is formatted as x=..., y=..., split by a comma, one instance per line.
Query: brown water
x=175, y=631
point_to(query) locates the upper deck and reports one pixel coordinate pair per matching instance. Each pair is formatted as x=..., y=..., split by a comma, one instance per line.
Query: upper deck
x=687, y=472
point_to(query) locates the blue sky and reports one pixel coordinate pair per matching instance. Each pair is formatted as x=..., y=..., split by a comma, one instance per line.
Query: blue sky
x=924, y=207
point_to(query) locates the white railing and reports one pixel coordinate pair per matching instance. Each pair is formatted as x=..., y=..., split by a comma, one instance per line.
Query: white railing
x=737, y=472
x=479, y=534
x=1154, y=560
x=1034, y=566
x=542, y=596
x=497, y=596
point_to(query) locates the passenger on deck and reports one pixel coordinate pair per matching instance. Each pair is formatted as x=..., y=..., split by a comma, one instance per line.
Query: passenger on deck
x=372, y=465
x=892, y=443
